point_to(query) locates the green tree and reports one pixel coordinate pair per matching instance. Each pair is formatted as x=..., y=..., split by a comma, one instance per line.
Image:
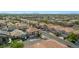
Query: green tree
x=72, y=37
x=39, y=35
x=16, y=44
x=46, y=21
x=77, y=22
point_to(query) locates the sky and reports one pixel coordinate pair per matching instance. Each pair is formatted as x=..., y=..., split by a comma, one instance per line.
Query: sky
x=39, y=12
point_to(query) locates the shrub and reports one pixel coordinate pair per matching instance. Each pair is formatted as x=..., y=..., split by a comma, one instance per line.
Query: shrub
x=72, y=37
x=16, y=44
x=1, y=46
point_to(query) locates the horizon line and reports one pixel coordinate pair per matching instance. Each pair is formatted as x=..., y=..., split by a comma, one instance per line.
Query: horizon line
x=39, y=12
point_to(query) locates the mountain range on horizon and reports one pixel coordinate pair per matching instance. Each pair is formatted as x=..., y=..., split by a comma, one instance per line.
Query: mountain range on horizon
x=39, y=12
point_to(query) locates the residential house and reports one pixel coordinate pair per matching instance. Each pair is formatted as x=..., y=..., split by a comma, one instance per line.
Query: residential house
x=32, y=32
x=4, y=37
x=2, y=23
x=10, y=26
x=18, y=34
x=21, y=26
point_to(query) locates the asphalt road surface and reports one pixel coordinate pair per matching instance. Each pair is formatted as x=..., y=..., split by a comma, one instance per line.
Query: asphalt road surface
x=52, y=36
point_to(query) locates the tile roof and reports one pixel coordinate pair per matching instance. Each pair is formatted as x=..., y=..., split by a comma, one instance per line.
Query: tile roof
x=17, y=32
x=31, y=29
x=67, y=29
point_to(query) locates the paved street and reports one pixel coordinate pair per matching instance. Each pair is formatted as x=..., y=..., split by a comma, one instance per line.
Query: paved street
x=50, y=36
